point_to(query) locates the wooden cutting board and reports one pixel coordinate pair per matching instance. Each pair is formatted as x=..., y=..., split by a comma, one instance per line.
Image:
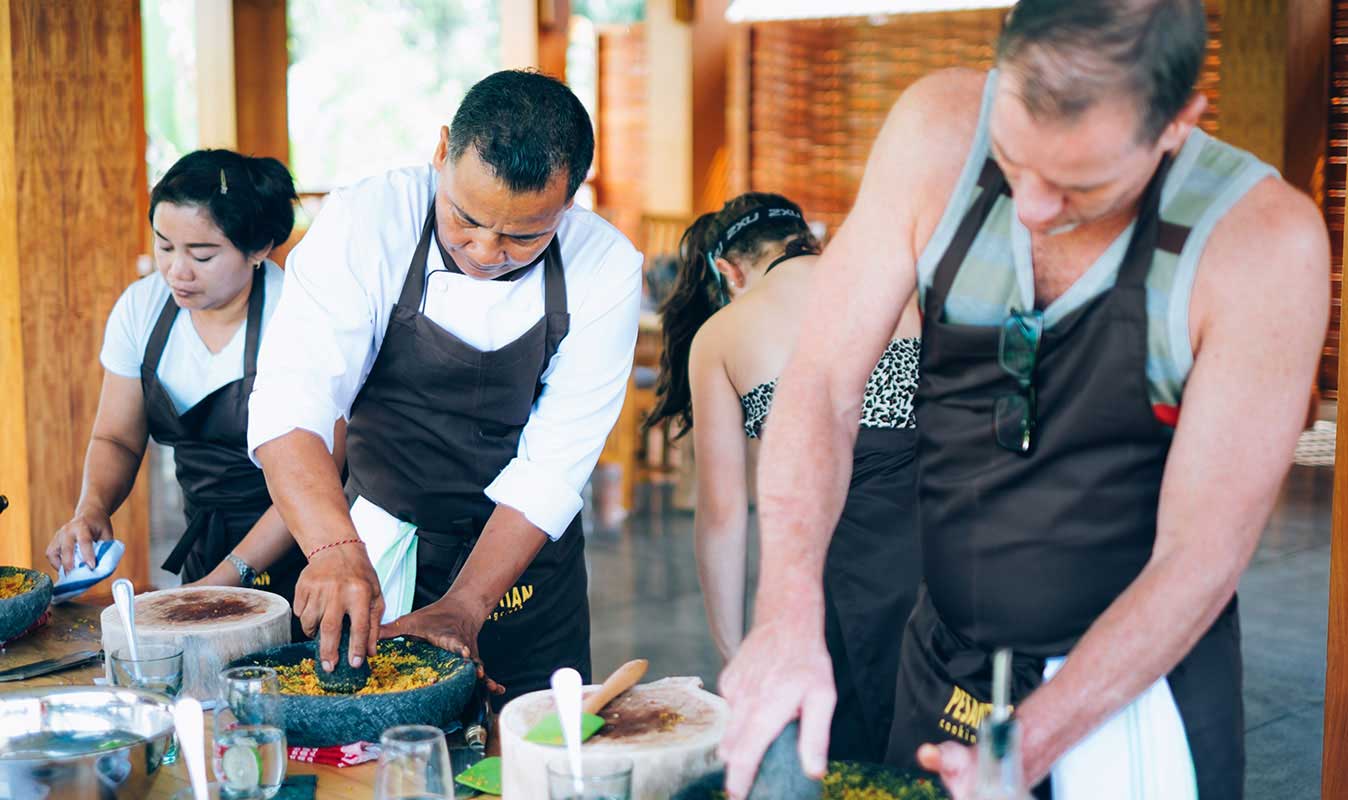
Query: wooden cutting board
x=212, y=624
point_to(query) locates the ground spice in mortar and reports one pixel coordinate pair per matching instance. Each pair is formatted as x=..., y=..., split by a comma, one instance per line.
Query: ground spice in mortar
x=389, y=672
x=15, y=584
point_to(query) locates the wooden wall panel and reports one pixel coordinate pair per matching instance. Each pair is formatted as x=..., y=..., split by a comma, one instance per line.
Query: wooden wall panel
x=79, y=144
x=1334, y=757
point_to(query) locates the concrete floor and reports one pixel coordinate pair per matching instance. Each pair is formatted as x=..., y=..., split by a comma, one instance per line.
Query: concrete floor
x=645, y=603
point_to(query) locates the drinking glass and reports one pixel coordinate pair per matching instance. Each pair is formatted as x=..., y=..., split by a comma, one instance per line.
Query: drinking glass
x=413, y=765
x=602, y=778
x=249, y=753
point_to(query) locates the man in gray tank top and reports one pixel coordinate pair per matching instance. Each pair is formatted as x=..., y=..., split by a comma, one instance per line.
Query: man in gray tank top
x=1122, y=318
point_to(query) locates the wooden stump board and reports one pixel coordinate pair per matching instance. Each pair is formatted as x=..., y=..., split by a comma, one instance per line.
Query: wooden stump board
x=212, y=624
x=670, y=729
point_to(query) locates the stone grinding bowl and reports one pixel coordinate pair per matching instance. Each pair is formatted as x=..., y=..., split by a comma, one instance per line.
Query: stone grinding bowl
x=780, y=777
x=18, y=613
x=338, y=719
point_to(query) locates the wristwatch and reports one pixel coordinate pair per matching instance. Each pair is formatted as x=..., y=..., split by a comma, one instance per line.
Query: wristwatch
x=246, y=573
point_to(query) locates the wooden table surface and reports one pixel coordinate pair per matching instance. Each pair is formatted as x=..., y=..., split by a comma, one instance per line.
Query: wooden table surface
x=74, y=627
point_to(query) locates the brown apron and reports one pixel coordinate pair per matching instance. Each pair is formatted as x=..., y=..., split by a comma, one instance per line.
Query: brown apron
x=1027, y=551
x=224, y=493
x=435, y=423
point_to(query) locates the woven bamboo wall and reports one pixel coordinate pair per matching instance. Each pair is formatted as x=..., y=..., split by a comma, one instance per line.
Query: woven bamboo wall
x=620, y=173
x=819, y=91
x=1335, y=194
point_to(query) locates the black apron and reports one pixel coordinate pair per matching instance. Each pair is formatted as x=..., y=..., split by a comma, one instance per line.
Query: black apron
x=224, y=493
x=435, y=423
x=1027, y=551
x=871, y=575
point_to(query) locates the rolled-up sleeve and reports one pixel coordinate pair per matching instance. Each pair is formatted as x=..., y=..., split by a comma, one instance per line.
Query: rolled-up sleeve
x=320, y=341
x=583, y=391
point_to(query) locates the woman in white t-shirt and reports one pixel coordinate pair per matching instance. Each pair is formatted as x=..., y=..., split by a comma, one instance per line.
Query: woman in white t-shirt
x=179, y=355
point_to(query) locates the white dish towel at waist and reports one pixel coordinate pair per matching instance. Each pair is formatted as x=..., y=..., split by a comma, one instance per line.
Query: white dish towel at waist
x=392, y=545
x=1141, y=753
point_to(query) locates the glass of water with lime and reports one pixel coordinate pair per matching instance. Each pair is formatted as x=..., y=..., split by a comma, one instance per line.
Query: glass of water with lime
x=250, y=740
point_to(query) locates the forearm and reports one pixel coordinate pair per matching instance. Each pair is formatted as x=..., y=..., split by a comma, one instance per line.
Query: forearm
x=721, y=547
x=1127, y=649
x=505, y=549
x=109, y=473
x=306, y=489
x=804, y=470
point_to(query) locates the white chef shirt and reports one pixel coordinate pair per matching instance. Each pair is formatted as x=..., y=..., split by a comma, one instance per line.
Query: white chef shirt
x=188, y=370
x=343, y=280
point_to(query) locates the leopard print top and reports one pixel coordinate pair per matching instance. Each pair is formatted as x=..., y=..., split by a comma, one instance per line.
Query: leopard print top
x=888, y=402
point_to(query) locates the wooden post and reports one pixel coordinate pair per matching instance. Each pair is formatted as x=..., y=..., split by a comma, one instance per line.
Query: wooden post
x=519, y=34
x=261, y=60
x=711, y=156
x=669, y=111
x=217, y=124
x=72, y=215
x=554, y=36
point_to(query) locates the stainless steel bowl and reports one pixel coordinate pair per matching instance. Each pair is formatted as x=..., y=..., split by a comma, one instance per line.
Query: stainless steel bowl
x=77, y=742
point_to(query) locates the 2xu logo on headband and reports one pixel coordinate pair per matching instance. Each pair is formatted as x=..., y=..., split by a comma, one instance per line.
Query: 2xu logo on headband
x=738, y=226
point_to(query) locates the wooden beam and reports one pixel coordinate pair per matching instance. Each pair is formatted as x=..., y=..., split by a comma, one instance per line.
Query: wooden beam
x=15, y=539
x=519, y=34
x=261, y=61
x=669, y=111
x=738, y=107
x=554, y=36
x=217, y=121
x=74, y=186
x=711, y=155
x=1306, y=107
x=1334, y=759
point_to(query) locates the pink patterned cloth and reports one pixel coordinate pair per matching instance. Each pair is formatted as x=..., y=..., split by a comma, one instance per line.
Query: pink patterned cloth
x=347, y=755
x=42, y=620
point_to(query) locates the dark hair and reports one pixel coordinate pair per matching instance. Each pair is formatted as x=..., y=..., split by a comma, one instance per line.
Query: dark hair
x=250, y=199
x=525, y=126
x=698, y=292
x=1072, y=53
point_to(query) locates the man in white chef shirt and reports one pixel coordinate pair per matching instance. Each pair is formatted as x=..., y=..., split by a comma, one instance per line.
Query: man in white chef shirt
x=476, y=329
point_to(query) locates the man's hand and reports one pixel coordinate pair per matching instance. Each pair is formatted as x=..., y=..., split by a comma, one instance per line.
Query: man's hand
x=449, y=624
x=77, y=537
x=340, y=582
x=955, y=763
x=780, y=673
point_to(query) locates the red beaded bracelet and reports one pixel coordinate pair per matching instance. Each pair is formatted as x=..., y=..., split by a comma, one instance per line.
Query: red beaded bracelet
x=320, y=549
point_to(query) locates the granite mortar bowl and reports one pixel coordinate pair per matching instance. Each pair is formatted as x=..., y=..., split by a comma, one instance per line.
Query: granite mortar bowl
x=18, y=613
x=337, y=719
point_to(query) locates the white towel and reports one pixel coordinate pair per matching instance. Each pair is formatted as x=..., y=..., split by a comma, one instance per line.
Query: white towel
x=392, y=545
x=1141, y=753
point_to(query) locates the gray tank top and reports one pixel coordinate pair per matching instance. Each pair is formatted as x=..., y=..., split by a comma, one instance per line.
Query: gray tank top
x=1207, y=178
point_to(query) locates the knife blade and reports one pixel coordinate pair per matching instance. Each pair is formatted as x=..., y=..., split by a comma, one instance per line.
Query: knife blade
x=50, y=665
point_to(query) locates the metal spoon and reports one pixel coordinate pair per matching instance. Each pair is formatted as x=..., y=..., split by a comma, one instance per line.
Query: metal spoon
x=566, y=690
x=124, y=596
x=187, y=721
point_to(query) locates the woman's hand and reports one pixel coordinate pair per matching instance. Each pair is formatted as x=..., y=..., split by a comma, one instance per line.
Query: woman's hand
x=77, y=537
x=224, y=574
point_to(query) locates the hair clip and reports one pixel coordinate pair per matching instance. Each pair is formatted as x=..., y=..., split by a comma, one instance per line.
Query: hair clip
x=224, y=187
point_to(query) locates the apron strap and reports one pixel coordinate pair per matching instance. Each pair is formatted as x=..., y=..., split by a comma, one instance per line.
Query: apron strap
x=1137, y=259
x=993, y=185
x=252, y=340
x=154, y=348
x=414, y=286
